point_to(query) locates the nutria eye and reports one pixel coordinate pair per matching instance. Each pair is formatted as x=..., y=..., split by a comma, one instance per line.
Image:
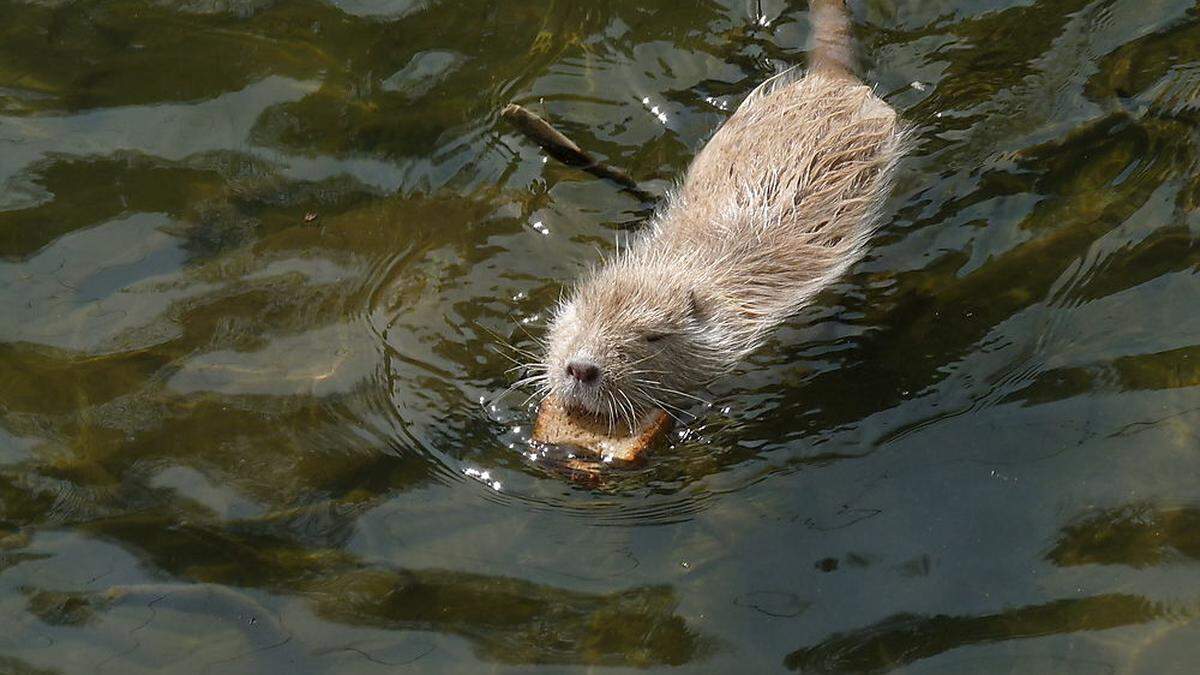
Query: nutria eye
x=654, y=338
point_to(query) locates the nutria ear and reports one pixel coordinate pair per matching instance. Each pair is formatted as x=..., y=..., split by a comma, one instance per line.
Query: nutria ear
x=696, y=309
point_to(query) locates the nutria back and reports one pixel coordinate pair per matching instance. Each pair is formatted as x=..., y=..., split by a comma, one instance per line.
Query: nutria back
x=778, y=204
x=787, y=193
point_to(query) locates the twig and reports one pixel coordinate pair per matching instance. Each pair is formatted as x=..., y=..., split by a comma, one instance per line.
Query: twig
x=567, y=151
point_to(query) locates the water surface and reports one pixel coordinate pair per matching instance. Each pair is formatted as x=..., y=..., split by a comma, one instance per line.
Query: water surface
x=254, y=254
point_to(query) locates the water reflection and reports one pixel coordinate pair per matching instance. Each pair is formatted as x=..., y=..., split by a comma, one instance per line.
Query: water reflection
x=253, y=256
x=506, y=619
x=904, y=639
x=1137, y=535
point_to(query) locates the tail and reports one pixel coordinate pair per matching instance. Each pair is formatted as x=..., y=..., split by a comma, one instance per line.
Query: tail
x=832, y=52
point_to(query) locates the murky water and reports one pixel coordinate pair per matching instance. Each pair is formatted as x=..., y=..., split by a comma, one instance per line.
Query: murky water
x=252, y=255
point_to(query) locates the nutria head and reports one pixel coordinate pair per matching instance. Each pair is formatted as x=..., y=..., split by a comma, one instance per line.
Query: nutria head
x=634, y=335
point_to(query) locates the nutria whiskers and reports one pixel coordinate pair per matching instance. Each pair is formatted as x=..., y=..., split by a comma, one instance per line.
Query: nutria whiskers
x=780, y=203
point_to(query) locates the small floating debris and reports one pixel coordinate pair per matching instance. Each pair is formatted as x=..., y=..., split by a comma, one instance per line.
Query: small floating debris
x=918, y=85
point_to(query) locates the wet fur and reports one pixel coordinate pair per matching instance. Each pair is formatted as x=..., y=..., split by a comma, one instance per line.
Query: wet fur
x=779, y=204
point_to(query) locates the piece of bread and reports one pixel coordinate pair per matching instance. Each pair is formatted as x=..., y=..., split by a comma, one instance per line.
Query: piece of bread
x=556, y=425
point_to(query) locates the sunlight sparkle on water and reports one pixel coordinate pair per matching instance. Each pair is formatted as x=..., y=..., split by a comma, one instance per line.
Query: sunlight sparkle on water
x=484, y=477
x=655, y=110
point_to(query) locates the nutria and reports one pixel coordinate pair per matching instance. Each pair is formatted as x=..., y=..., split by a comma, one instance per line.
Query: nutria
x=779, y=203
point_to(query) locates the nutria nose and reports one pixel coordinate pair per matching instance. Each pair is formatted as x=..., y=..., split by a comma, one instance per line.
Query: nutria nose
x=584, y=371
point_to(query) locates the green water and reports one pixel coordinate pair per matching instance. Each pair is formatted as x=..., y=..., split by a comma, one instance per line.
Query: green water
x=237, y=438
